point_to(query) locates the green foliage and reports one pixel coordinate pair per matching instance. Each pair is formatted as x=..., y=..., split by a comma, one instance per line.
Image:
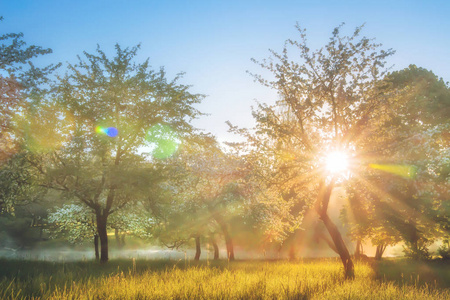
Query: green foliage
x=17, y=186
x=163, y=140
x=100, y=171
x=416, y=252
x=444, y=250
x=25, y=228
x=407, y=135
x=21, y=84
x=75, y=222
x=16, y=61
x=201, y=194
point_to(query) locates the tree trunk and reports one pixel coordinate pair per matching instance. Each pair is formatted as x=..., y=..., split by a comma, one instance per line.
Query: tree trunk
x=216, y=249
x=120, y=238
x=97, y=255
x=229, y=243
x=226, y=234
x=379, y=252
x=198, y=250
x=292, y=252
x=340, y=246
x=342, y=250
x=103, y=235
x=358, y=249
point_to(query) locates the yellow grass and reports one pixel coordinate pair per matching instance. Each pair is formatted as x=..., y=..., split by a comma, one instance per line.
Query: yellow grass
x=319, y=279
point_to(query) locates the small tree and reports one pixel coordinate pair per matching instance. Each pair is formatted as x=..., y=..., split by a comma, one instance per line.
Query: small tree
x=203, y=189
x=76, y=223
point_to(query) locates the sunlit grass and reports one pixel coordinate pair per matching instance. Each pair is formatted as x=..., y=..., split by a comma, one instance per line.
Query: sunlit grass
x=318, y=279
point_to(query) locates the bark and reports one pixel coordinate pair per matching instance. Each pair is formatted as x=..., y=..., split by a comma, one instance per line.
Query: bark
x=198, y=250
x=379, y=252
x=120, y=238
x=216, y=249
x=103, y=235
x=358, y=249
x=226, y=234
x=229, y=244
x=341, y=248
x=97, y=254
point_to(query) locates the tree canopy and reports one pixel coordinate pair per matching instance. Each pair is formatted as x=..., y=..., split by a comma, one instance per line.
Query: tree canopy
x=106, y=108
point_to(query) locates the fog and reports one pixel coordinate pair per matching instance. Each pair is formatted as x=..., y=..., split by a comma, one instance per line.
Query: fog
x=306, y=244
x=69, y=254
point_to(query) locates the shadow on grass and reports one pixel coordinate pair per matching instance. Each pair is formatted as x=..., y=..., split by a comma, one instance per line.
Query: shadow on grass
x=434, y=273
x=80, y=270
x=26, y=269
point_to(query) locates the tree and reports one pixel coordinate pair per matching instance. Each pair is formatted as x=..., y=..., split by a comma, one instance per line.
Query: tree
x=21, y=83
x=204, y=195
x=406, y=151
x=367, y=217
x=76, y=223
x=324, y=103
x=107, y=108
x=214, y=177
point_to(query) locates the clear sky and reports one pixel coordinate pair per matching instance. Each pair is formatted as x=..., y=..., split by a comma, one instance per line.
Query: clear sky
x=213, y=41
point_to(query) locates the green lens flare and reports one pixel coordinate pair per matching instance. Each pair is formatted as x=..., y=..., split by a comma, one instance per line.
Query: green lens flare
x=406, y=171
x=110, y=131
x=164, y=141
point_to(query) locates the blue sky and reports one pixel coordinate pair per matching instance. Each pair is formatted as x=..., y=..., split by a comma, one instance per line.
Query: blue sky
x=213, y=41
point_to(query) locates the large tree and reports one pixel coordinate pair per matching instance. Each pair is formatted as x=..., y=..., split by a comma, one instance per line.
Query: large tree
x=106, y=109
x=326, y=97
x=405, y=182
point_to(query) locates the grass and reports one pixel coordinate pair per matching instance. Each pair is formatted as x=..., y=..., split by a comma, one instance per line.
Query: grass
x=126, y=279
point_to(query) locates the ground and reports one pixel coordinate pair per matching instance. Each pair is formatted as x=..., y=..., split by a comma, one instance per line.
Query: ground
x=185, y=279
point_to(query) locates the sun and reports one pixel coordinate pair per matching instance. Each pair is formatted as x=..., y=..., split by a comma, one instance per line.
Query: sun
x=336, y=162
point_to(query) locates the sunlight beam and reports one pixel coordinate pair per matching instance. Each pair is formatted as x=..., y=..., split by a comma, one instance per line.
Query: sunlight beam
x=336, y=162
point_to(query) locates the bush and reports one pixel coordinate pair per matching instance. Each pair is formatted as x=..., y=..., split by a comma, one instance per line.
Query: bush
x=444, y=251
x=416, y=252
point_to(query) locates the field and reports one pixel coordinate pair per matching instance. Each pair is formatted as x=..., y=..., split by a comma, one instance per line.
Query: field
x=146, y=279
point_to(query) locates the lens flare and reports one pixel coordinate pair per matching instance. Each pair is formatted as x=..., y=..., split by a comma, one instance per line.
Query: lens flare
x=109, y=131
x=99, y=130
x=163, y=140
x=406, y=171
x=112, y=131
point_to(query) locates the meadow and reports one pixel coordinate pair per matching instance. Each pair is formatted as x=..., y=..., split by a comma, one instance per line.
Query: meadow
x=185, y=279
